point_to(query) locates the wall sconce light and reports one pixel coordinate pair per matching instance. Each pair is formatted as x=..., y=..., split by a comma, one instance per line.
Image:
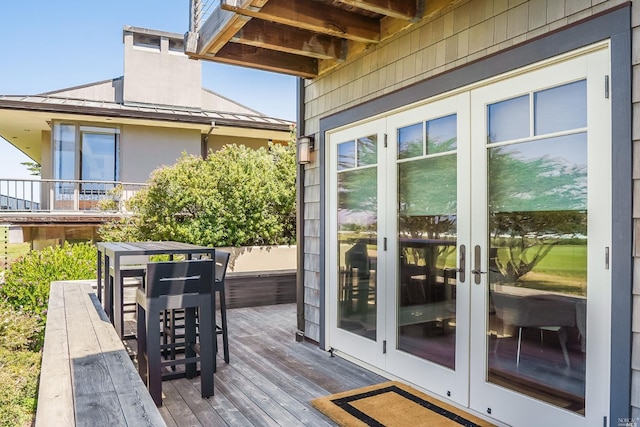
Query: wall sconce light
x=306, y=145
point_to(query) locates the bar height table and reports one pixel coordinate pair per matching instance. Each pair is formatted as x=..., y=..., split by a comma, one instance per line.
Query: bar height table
x=109, y=254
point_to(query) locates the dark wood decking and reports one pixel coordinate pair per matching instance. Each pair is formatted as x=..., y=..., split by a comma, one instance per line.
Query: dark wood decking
x=271, y=378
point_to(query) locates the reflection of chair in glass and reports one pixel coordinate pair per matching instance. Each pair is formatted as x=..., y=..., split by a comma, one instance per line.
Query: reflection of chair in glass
x=414, y=273
x=545, y=312
x=358, y=275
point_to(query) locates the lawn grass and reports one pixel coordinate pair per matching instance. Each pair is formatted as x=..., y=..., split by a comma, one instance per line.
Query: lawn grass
x=9, y=252
x=563, y=269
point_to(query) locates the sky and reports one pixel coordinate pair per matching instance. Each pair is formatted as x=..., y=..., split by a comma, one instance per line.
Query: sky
x=49, y=45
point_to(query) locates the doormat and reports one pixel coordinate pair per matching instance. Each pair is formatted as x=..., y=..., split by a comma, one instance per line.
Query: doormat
x=392, y=404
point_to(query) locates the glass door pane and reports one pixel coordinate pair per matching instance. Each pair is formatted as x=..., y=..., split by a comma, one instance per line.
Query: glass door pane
x=427, y=240
x=357, y=225
x=537, y=255
x=64, y=166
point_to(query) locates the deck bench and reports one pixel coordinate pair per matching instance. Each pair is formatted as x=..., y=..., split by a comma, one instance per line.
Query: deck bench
x=87, y=377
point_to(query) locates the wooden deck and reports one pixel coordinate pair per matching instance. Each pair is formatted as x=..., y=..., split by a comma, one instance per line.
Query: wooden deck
x=271, y=378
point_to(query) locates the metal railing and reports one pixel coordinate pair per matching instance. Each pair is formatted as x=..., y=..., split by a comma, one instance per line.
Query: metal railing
x=199, y=12
x=48, y=195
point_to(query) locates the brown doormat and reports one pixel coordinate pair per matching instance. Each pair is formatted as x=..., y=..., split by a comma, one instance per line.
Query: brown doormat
x=392, y=404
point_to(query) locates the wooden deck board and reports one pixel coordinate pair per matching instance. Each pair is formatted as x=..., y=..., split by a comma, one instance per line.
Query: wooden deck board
x=97, y=383
x=270, y=380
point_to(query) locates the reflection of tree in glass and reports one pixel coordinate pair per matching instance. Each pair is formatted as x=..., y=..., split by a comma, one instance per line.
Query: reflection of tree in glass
x=410, y=141
x=534, y=204
x=346, y=155
x=427, y=196
x=357, y=196
x=427, y=227
x=518, y=183
x=367, y=151
x=528, y=237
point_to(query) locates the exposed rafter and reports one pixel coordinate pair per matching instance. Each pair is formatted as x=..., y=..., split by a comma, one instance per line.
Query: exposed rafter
x=265, y=59
x=313, y=16
x=284, y=38
x=399, y=9
x=302, y=37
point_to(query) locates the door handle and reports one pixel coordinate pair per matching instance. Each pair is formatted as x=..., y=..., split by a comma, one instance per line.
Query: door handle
x=477, y=271
x=460, y=270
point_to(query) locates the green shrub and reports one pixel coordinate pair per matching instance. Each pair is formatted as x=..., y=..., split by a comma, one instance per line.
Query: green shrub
x=19, y=366
x=18, y=331
x=19, y=371
x=26, y=284
x=237, y=196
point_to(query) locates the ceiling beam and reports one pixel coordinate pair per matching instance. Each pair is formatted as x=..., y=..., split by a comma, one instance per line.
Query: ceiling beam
x=265, y=59
x=284, y=38
x=399, y=9
x=217, y=30
x=312, y=16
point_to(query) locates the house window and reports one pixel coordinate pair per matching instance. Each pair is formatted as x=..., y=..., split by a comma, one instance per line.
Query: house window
x=146, y=41
x=86, y=153
x=98, y=156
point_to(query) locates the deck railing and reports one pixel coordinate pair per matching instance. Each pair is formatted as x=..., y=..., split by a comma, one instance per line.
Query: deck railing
x=47, y=195
x=199, y=11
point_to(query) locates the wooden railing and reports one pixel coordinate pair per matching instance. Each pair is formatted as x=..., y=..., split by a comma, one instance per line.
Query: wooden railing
x=48, y=195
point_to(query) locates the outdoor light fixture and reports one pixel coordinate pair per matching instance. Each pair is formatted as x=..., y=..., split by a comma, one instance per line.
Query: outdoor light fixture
x=305, y=147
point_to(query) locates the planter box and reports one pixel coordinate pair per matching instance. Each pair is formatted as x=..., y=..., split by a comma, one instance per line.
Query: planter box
x=261, y=258
x=250, y=289
x=260, y=275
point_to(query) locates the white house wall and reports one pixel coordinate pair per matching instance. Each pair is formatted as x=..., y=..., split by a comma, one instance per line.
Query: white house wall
x=211, y=101
x=144, y=149
x=462, y=33
x=108, y=91
x=160, y=76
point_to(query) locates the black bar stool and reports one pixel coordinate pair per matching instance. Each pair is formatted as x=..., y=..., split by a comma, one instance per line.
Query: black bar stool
x=176, y=285
x=222, y=261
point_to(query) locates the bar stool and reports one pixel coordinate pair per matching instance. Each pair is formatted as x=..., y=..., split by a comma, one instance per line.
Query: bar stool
x=173, y=321
x=222, y=261
x=133, y=269
x=176, y=285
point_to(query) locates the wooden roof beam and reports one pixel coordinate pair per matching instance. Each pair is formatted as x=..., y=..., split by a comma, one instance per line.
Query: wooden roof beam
x=312, y=16
x=407, y=10
x=265, y=59
x=283, y=38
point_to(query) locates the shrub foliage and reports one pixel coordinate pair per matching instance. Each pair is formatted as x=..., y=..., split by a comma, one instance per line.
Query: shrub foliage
x=235, y=197
x=24, y=296
x=26, y=284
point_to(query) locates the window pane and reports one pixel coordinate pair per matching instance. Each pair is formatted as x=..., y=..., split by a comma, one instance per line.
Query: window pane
x=367, y=151
x=441, y=134
x=64, y=151
x=509, y=119
x=561, y=108
x=346, y=155
x=64, y=164
x=538, y=269
x=427, y=187
x=98, y=157
x=357, y=244
x=427, y=230
x=99, y=161
x=410, y=141
x=544, y=175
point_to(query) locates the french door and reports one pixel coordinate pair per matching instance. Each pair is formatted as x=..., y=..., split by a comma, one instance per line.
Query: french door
x=468, y=243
